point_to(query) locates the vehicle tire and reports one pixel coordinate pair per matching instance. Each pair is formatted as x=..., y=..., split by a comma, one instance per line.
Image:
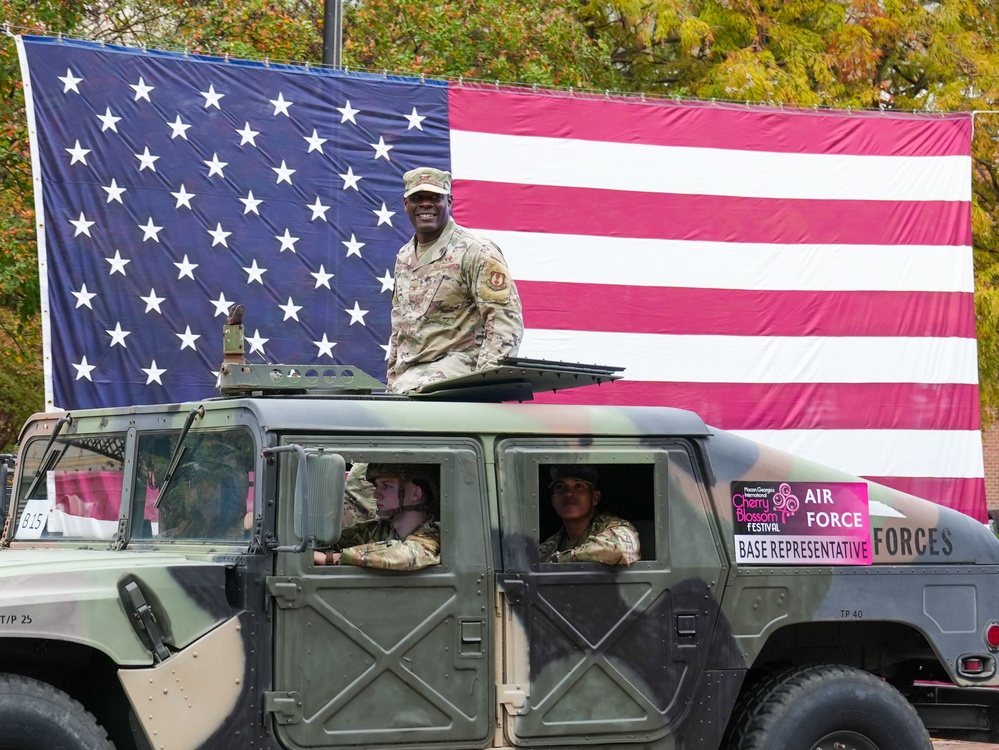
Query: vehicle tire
x=826, y=707
x=37, y=716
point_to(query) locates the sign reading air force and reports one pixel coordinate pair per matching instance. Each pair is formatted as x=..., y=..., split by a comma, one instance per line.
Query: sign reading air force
x=801, y=523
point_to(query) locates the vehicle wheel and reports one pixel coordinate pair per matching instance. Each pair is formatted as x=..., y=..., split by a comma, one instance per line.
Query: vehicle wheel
x=36, y=716
x=827, y=708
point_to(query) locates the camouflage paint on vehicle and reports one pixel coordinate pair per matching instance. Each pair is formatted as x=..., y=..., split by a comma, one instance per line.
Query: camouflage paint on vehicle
x=244, y=642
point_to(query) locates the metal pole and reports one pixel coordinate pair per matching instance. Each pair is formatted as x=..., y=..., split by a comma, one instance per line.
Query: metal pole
x=332, y=32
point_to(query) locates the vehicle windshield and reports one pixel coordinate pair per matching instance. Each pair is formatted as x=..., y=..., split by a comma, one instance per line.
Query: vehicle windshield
x=80, y=496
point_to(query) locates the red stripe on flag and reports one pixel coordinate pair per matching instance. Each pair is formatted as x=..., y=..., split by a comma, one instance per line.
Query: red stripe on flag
x=708, y=125
x=737, y=312
x=797, y=406
x=960, y=493
x=620, y=213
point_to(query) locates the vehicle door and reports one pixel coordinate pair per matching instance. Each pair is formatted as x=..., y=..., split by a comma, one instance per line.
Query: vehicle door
x=367, y=657
x=593, y=649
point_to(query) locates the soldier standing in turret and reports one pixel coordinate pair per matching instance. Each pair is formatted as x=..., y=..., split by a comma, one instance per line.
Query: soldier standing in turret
x=455, y=308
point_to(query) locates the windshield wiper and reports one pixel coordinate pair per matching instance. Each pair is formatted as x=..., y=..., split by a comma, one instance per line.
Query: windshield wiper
x=49, y=456
x=178, y=452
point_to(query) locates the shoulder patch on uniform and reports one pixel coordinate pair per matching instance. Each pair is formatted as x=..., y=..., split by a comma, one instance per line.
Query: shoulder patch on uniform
x=495, y=284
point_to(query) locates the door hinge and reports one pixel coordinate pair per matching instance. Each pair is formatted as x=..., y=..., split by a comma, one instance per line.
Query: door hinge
x=514, y=698
x=286, y=706
x=287, y=591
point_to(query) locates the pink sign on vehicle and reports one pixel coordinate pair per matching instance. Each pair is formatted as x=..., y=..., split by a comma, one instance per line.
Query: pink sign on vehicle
x=801, y=523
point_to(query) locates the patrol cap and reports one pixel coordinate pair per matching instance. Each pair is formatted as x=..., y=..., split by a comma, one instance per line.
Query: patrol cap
x=427, y=180
x=573, y=471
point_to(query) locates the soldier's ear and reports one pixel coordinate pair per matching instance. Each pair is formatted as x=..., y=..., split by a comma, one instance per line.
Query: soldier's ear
x=596, y=496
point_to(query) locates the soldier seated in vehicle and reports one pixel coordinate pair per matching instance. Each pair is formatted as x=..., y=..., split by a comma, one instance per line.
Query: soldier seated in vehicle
x=205, y=500
x=406, y=534
x=586, y=535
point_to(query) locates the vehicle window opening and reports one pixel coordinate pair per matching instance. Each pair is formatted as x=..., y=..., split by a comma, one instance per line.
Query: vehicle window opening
x=626, y=490
x=392, y=517
x=211, y=494
x=79, y=494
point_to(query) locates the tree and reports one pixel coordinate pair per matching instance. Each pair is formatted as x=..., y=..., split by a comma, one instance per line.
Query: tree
x=21, y=372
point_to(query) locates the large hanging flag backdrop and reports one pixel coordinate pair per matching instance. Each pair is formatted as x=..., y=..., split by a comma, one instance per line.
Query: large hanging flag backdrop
x=800, y=277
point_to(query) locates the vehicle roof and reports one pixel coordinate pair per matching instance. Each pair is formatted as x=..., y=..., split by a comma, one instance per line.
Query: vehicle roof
x=402, y=415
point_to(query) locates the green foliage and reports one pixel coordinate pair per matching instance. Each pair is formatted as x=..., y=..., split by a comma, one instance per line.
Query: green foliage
x=523, y=42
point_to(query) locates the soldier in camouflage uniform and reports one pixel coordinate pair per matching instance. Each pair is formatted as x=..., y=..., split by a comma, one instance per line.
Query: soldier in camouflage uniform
x=455, y=308
x=406, y=534
x=586, y=536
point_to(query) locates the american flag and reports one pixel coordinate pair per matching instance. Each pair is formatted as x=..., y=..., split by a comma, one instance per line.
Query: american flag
x=801, y=277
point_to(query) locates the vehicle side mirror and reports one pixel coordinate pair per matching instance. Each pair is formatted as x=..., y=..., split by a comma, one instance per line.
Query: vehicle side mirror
x=325, y=484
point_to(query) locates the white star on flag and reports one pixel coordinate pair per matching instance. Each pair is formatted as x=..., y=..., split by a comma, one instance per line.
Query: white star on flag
x=118, y=336
x=353, y=246
x=287, y=241
x=153, y=302
x=215, y=166
x=83, y=297
x=146, y=160
x=388, y=283
x=108, y=120
x=114, y=192
x=117, y=264
x=347, y=113
x=280, y=105
x=322, y=278
x=153, y=373
x=256, y=342
x=250, y=203
x=187, y=339
x=315, y=142
x=186, y=268
x=82, y=225
x=70, y=82
x=141, y=90
x=247, y=135
x=84, y=368
x=381, y=149
x=211, y=98
x=79, y=154
x=325, y=347
x=183, y=197
x=150, y=231
x=318, y=210
x=219, y=235
x=415, y=120
x=178, y=129
x=350, y=179
x=283, y=173
x=356, y=314
x=254, y=273
x=222, y=305
x=290, y=309
x=384, y=215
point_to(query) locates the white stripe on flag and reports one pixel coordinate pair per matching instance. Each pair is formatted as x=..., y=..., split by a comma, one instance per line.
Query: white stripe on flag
x=883, y=453
x=568, y=162
x=583, y=259
x=763, y=359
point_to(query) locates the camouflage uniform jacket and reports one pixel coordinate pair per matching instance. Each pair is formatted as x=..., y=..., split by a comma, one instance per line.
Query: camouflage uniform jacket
x=609, y=540
x=455, y=310
x=375, y=544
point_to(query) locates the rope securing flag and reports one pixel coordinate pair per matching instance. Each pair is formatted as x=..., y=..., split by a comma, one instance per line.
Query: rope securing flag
x=800, y=277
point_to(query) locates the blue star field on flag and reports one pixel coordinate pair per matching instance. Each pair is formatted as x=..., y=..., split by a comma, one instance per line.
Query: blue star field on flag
x=176, y=186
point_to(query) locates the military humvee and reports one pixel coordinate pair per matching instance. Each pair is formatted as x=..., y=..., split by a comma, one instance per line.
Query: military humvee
x=158, y=588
